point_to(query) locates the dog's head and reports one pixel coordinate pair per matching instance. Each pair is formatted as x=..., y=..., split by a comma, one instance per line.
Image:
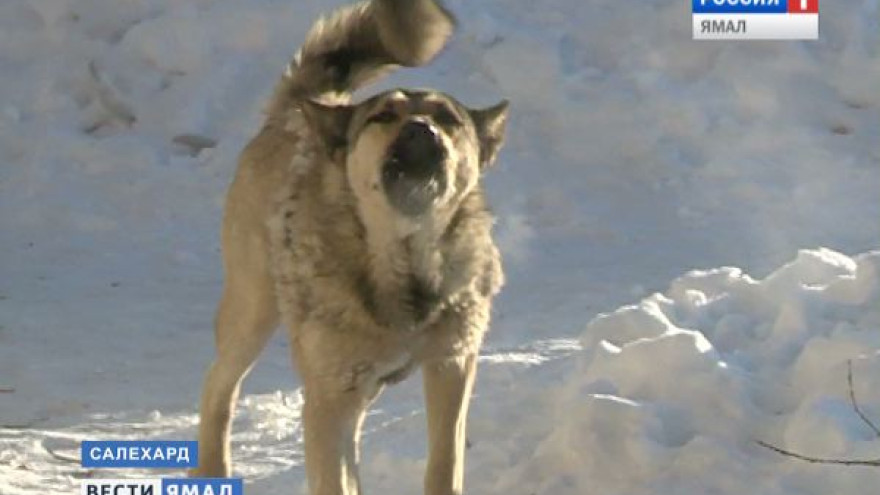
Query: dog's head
x=415, y=152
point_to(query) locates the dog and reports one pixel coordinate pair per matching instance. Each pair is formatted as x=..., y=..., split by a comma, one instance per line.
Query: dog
x=363, y=228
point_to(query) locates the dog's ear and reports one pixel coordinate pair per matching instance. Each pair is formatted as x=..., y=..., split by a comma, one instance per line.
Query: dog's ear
x=329, y=123
x=490, y=124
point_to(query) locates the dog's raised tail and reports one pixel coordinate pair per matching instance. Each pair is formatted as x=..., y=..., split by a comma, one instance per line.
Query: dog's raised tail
x=358, y=43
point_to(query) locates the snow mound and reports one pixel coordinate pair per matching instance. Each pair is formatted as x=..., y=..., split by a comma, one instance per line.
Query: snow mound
x=670, y=395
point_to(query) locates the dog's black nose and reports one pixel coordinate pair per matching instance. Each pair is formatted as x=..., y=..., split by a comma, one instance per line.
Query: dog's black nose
x=417, y=130
x=418, y=146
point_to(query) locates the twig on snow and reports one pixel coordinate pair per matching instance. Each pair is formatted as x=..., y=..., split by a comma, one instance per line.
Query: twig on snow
x=854, y=402
x=62, y=457
x=820, y=460
x=843, y=462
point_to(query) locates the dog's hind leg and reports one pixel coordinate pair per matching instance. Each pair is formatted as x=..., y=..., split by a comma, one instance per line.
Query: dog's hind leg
x=248, y=310
x=246, y=318
x=448, y=384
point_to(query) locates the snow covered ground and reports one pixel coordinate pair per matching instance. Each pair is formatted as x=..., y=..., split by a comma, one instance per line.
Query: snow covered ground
x=635, y=155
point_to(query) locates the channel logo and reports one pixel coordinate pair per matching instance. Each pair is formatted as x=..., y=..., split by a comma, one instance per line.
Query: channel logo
x=152, y=454
x=163, y=486
x=755, y=19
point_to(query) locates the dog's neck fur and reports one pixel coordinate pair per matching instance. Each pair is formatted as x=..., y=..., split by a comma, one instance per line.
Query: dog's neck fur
x=406, y=265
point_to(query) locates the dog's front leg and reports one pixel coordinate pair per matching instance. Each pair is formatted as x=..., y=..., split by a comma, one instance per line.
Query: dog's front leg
x=448, y=385
x=331, y=427
x=338, y=386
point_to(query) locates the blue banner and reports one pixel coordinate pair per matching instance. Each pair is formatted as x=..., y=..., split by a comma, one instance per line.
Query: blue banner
x=740, y=6
x=140, y=454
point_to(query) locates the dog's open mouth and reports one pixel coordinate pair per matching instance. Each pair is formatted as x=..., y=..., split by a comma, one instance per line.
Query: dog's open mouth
x=412, y=195
x=414, y=172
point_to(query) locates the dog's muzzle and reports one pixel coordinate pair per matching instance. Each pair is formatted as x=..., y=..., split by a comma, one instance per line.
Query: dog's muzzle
x=413, y=174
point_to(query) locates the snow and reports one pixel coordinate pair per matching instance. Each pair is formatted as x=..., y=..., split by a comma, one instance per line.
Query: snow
x=634, y=155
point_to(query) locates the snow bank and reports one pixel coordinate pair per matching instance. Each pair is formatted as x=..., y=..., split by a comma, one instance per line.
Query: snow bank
x=671, y=394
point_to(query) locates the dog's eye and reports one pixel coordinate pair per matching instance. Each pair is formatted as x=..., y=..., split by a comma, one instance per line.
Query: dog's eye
x=383, y=117
x=446, y=118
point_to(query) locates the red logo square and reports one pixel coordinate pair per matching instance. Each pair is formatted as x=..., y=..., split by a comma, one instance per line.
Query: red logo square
x=803, y=6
